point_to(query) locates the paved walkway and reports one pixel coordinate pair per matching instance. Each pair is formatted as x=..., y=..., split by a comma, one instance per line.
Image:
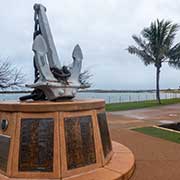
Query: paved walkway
x=156, y=159
x=145, y=117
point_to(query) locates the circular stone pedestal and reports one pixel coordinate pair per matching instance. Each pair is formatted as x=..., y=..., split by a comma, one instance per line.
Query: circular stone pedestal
x=60, y=140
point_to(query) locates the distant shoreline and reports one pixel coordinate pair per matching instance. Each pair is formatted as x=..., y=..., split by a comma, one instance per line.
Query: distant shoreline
x=115, y=91
x=103, y=91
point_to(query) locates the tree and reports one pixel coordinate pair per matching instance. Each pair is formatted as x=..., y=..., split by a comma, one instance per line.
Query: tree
x=155, y=45
x=85, y=79
x=10, y=76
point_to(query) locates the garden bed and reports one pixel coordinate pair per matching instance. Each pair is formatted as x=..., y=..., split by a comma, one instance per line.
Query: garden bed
x=173, y=126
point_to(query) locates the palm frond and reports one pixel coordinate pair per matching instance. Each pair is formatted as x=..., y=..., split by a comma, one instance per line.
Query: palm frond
x=142, y=54
x=169, y=38
x=155, y=44
x=174, y=56
x=142, y=43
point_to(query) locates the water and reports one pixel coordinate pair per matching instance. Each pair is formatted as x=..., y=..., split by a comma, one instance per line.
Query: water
x=108, y=97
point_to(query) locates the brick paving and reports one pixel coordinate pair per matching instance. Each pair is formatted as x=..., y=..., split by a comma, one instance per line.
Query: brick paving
x=156, y=159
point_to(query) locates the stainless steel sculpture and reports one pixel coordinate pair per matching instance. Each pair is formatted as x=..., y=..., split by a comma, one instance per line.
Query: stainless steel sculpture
x=52, y=81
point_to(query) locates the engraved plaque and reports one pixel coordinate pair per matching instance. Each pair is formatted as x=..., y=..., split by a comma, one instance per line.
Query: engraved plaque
x=4, y=151
x=104, y=131
x=36, y=145
x=80, y=148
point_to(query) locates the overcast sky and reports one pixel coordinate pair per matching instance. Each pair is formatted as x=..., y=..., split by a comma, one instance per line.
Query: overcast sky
x=103, y=29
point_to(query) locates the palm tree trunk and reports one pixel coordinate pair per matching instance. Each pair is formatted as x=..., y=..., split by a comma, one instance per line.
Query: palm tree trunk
x=157, y=84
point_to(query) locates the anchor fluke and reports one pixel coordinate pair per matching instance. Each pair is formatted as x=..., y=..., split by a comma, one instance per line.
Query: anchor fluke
x=77, y=53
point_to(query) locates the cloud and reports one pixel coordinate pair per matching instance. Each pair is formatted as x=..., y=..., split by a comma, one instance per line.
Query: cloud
x=103, y=28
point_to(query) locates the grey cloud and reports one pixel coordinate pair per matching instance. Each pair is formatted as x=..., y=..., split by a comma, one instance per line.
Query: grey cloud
x=103, y=28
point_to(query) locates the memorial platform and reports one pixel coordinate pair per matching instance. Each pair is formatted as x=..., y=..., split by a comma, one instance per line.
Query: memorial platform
x=60, y=140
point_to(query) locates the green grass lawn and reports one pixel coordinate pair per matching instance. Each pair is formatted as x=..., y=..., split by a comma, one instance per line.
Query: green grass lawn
x=138, y=105
x=163, y=134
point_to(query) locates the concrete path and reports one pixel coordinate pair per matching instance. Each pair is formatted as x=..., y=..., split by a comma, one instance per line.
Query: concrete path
x=146, y=116
x=156, y=159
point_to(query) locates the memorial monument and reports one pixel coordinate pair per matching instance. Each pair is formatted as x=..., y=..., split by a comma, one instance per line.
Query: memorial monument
x=50, y=135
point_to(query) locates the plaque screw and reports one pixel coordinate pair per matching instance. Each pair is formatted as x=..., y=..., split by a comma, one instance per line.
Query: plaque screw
x=4, y=124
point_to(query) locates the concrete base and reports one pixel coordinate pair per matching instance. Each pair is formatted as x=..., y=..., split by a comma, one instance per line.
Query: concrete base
x=120, y=167
x=67, y=140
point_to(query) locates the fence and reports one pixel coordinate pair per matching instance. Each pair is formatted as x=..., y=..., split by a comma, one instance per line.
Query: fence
x=138, y=98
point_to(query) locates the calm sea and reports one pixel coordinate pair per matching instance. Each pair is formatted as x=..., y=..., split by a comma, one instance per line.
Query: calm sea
x=108, y=97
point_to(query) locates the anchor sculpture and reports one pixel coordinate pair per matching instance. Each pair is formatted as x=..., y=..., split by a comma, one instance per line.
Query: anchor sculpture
x=52, y=81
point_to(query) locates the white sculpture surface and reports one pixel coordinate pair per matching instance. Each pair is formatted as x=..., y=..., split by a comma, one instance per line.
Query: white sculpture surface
x=52, y=81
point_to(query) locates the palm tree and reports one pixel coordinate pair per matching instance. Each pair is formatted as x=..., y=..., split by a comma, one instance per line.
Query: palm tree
x=155, y=46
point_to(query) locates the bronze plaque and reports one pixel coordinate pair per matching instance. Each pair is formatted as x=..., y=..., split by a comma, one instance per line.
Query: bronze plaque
x=4, y=151
x=104, y=131
x=80, y=148
x=36, y=145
